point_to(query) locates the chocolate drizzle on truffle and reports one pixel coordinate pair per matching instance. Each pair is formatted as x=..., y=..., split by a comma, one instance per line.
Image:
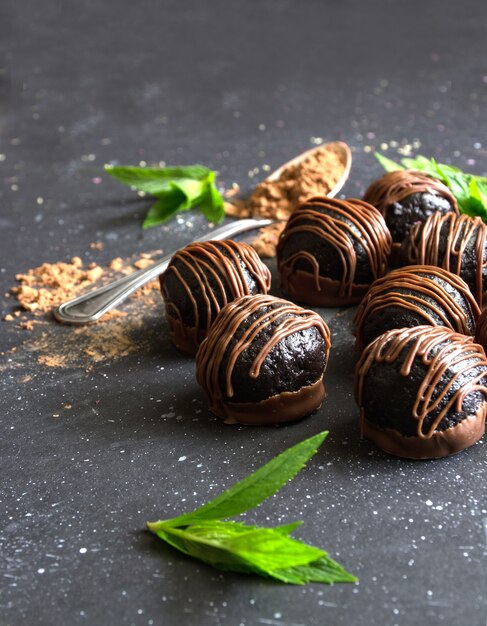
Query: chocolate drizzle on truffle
x=395, y=186
x=202, y=278
x=456, y=243
x=331, y=250
x=481, y=330
x=414, y=296
x=264, y=353
x=407, y=196
x=444, y=378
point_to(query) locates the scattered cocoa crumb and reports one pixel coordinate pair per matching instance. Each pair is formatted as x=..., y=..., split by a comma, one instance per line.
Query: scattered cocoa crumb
x=236, y=208
x=27, y=325
x=233, y=191
x=57, y=360
x=117, y=334
x=50, y=284
x=116, y=264
x=266, y=241
x=67, y=406
x=143, y=263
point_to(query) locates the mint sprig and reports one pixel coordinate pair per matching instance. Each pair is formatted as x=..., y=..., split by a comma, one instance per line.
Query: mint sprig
x=268, y=552
x=470, y=191
x=176, y=189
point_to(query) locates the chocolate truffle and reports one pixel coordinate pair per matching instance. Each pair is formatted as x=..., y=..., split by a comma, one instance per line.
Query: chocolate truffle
x=331, y=250
x=422, y=392
x=405, y=197
x=202, y=278
x=263, y=361
x=457, y=243
x=413, y=296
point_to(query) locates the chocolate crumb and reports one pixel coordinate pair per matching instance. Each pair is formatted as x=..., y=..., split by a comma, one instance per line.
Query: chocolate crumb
x=117, y=334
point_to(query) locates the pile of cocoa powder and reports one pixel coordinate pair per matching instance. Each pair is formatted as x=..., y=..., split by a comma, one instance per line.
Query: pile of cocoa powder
x=118, y=334
x=315, y=175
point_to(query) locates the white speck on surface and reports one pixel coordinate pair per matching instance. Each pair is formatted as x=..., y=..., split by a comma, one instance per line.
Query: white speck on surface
x=182, y=458
x=41, y=570
x=83, y=550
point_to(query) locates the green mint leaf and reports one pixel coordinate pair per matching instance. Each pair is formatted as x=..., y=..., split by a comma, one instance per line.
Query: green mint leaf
x=388, y=164
x=177, y=189
x=154, y=180
x=264, y=551
x=324, y=570
x=166, y=206
x=236, y=546
x=255, y=488
x=476, y=203
x=211, y=204
x=269, y=552
x=422, y=164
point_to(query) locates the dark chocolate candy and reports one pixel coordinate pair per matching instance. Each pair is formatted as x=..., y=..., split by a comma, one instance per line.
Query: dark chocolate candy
x=331, y=250
x=422, y=392
x=202, y=278
x=263, y=361
x=406, y=197
x=413, y=296
x=457, y=243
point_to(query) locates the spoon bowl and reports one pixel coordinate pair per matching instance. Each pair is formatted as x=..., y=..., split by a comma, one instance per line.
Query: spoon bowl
x=339, y=147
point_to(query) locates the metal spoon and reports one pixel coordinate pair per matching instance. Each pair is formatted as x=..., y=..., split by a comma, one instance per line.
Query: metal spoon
x=91, y=306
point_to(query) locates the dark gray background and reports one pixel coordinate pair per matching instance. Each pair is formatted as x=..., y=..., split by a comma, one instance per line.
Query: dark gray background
x=233, y=85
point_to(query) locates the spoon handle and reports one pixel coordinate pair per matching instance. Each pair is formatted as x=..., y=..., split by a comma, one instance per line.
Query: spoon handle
x=91, y=306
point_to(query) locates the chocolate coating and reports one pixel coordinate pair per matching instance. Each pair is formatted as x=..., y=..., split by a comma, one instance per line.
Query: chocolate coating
x=406, y=197
x=413, y=296
x=481, y=330
x=331, y=250
x=457, y=243
x=263, y=361
x=422, y=392
x=201, y=279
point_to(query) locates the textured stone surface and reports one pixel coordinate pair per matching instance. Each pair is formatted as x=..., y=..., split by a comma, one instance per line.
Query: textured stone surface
x=237, y=86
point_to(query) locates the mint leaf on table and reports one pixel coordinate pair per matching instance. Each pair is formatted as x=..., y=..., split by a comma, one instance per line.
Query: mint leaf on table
x=176, y=189
x=257, y=487
x=470, y=191
x=153, y=180
x=324, y=570
x=269, y=552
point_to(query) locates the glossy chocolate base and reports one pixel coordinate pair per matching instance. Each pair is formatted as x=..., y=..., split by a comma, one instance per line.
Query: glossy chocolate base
x=303, y=287
x=439, y=445
x=285, y=407
x=183, y=337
